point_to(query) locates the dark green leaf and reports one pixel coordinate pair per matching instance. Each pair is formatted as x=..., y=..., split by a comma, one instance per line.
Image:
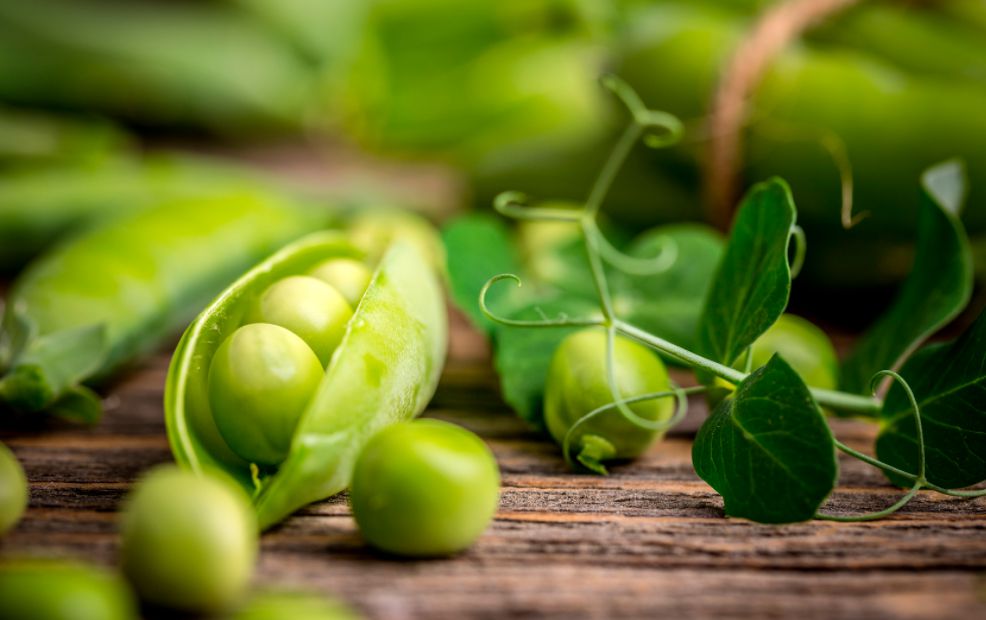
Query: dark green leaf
x=936, y=290
x=668, y=303
x=523, y=354
x=753, y=282
x=949, y=383
x=479, y=247
x=768, y=450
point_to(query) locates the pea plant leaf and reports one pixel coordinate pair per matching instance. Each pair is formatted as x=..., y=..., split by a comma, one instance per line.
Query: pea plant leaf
x=767, y=449
x=753, y=282
x=949, y=383
x=479, y=246
x=668, y=303
x=936, y=290
x=523, y=354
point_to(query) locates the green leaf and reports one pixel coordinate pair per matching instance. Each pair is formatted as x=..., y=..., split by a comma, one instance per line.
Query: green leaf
x=479, y=247
x=78, y=404
x=669, y=303
x=949, y=383
x=753, y=282
x=767, y=449
x=936, y=290
x=523, y=354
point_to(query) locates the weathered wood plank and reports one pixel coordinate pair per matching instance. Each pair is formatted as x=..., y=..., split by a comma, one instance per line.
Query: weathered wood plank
x=648, y=541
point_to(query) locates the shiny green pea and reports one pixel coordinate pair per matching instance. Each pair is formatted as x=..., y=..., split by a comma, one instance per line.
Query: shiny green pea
x=294, y=606
x=347, y=275
x=310, y=308
x=260, y=381
x=576, y=385
x=13, y=490
x=189, y=541
x=802, y=345
x=424, y=488
x=62, y=590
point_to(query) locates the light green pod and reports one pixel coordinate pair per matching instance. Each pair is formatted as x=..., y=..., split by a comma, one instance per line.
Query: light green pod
x=63, y=590
x=804, y=346
x=576, y=385
x=385, y=370
x=188, y=540
x=118, y=290
x=424, y=488
x=294, y=606
x=13, y=490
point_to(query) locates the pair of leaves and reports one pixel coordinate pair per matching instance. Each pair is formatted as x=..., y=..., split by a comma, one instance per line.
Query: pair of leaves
x=936, y=290
x=949, y=383
x=767, y=449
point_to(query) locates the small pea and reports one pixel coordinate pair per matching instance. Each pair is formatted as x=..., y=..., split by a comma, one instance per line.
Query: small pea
x=347, y=275
x=189, y=541
x=424, y=488
x=13, y=490
x=307, y=306
x=802, y=345
x=260, y=381
x=576, y=385
x=63, y=590
x=294, y=606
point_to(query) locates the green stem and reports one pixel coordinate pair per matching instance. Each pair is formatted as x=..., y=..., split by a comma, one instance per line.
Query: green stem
x=873, y=516
x=611, y=168
x=828, y=398
x=874, y=462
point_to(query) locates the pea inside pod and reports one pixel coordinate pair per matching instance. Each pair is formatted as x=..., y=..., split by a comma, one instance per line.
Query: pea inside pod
x=296, y=442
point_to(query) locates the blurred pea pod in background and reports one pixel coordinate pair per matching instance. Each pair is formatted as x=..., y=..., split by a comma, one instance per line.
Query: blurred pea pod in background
x=159, y=64
x=891, y=125
x=40, y=205
x=29, y=137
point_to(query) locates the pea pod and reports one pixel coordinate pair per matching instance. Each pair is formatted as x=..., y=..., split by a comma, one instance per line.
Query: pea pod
x=42, y=204
x=384, y=370
x=114, y=292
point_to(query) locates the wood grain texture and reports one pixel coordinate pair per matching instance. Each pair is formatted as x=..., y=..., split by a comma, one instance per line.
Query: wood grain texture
x=649, y=541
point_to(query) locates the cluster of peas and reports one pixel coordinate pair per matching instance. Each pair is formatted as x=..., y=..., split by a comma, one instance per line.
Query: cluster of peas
x=263, y=376
x=190, y=541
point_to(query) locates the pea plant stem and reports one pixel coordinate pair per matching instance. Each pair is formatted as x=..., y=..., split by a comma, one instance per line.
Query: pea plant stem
x=829, y=398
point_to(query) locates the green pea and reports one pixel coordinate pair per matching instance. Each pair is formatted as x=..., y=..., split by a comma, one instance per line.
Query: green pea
x=347, y=275
x=576, y=385
x=13, y=490
x=802, y=345
x=424, y=488
x=310, y=308
x=260, y=381
x=294, y=606
x=61, y=590
x=189, y=541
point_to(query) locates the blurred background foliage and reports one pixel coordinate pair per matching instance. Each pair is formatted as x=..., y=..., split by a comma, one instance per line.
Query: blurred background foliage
x=503, y=94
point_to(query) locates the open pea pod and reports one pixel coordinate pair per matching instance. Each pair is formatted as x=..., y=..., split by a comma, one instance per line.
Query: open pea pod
x=384, y=370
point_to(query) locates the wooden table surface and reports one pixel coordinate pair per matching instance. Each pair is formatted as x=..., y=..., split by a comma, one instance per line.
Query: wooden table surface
x=649, y=541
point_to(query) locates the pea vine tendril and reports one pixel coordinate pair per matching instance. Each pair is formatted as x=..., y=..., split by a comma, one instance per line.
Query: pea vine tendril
x=660, y=130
